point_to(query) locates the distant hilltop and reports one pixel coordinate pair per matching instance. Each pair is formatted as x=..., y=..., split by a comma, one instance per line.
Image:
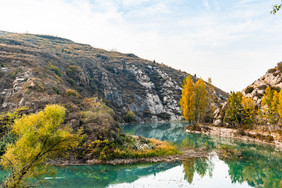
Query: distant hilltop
x=39, y=69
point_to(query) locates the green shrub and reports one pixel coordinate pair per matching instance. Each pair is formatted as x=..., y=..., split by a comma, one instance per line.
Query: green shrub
x=14, y=74
x=110, y=68
x=55, y=69
x=72, y=72
x=279, y=66
x=8, y=138
x=249, y=89
x=271, y=70
x=97, y=114
x=6, y=121
x=147, y=113
x=164, y=116
x=129, y=117
x=56, y=90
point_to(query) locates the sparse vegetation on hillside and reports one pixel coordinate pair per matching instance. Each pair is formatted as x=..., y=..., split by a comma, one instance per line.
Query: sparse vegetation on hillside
x=61, y=64
x=72, y=92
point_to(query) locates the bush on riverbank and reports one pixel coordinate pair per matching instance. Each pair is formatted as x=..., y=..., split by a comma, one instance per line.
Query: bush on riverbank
x=134, y=147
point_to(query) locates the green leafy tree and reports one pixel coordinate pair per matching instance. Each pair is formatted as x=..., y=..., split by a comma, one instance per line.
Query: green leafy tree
x=187, y=101
x=233, y=114
x=41, y=137
x=129, y=117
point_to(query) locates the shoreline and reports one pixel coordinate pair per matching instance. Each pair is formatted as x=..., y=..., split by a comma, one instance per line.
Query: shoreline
x=185, y=154
x=233, y=133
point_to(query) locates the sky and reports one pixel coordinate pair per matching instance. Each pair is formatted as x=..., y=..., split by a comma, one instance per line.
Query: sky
x=232, y=41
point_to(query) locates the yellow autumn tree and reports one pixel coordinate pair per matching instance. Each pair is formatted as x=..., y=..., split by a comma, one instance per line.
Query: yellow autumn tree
x=201, y=99
x=187, y=101
x=41, y=137
x=269, y=105
x=279, y=108
x=249, y=110
x=189, y=169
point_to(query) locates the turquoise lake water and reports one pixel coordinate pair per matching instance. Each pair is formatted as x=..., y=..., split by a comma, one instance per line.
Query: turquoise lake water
x=260, y=165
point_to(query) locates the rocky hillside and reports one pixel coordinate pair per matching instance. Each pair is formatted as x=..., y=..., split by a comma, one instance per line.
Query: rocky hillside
x=272, y=78
x=36, y=70
x=256, y=90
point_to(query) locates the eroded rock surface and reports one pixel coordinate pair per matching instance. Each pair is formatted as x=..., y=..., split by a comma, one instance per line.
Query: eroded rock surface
x=37, y=70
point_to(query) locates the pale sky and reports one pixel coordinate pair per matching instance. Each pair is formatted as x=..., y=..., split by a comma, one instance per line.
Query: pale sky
x=232, y=41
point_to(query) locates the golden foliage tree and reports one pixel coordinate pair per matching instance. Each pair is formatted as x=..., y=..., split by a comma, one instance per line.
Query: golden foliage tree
x=269, y=105
x=279, y=107
x=189, y=169
x=201, y=99
x=40, y=137
x=249, y=110
x=187, y=101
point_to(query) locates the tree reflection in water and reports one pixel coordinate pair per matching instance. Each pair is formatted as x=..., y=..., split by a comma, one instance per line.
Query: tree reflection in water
x=256, y=167
x=259, y=165
x=201, y=166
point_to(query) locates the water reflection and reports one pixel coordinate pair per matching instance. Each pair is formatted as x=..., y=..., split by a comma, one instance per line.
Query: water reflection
x=104, y=175
x=201, y=166
x=259, y=166
x=259, y=169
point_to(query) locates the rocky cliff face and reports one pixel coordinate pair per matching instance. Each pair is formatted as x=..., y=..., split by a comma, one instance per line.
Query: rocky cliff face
x=272, y=78
x=36, y=70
